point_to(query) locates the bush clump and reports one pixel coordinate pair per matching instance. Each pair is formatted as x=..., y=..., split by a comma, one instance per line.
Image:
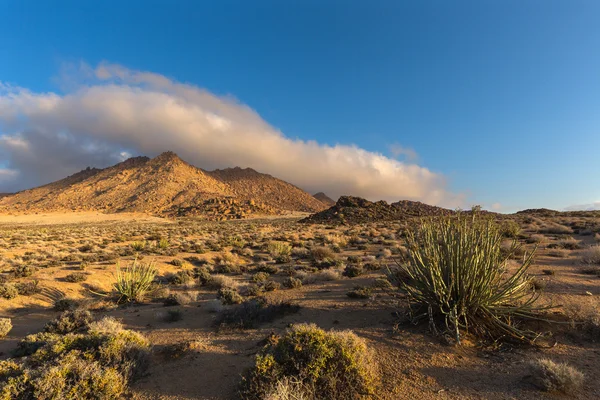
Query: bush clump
x=229, y=296
x=353, y=270
x=69, y=321
x=96, y=364
x=5, y=326
x=292, y=283
x=254, y=312
x=457, y=271
x=337, y=365
x=551, y=376
x=76, y=277
x=8, y=291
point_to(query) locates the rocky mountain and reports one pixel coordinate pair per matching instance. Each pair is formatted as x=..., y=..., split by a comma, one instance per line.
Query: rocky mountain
x=323, y=198
x=165, y=185
x=349, y=209
x=248, y=184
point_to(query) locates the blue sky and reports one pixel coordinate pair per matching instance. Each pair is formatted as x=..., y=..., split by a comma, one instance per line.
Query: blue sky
x=501, y=98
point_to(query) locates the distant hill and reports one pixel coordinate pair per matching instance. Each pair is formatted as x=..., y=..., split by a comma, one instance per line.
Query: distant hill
x=323, y=198
x=349, y=209
x=165, y=185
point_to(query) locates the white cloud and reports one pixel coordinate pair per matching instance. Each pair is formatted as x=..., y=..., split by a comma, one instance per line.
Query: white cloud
x=584, y=207
x=7, y=175
x=46, y=136
x=406, y=152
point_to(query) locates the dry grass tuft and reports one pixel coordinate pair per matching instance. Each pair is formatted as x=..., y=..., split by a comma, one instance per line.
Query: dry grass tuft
x=551, y=376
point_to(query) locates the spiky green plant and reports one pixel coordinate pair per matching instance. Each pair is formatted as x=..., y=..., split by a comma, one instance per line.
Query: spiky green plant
x=278, y=249
x=457, y=271
x=133, y=282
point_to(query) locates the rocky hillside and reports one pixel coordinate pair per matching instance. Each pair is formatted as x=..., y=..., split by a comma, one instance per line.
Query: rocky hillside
x=248, y=184
x=323, y=198
x=350, y=209
x=165, y=185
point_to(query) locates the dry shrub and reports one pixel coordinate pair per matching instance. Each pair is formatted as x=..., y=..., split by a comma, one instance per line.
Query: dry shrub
x=569, y=243
x=336, y=364
x=8, y=291
x=69, y=321
x=254, y=312
x=558, y=253
x=97, y=364
x=556, y=229
x=229, y=296
x=222, y=281
x=551, y=376
x=290, y=389
x=591, y=255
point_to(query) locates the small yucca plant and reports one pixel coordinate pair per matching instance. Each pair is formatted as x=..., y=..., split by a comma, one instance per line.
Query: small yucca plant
x=456, y=271
x=133, y=282
x=277, y=249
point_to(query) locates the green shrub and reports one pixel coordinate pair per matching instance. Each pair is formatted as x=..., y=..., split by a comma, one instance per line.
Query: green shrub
x=268, y=268
x=5, y=326
x=69, y=321
x=456, y=271
x=260, y=277
x=174, y=315
x=181, y=277
x=353, y=270
x=8, y=291
x=229, y=296
x=23, y=271
x=292, y=283
x=203, y=275
x=254, y=312
x=97, y=364
x=270, y=285
x=510, y=228
x=76, y=277
x=28, y=288
x=65, y=304
x=360, y=292
x=176, y=262
x=138, y=246
x=133, y=283
x=337, y=365
x=279, y=249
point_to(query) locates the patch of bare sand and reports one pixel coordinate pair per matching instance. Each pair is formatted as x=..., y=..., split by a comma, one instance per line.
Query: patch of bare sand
x=76, y=218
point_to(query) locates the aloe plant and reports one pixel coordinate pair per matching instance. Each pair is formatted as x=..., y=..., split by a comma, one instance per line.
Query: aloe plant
x=457, y=272
x=133, y=282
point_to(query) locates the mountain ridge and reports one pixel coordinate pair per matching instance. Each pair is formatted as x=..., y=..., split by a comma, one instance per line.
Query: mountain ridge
x=164, y=185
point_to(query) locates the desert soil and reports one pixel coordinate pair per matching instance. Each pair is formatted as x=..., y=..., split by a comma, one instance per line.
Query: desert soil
x=414, y=363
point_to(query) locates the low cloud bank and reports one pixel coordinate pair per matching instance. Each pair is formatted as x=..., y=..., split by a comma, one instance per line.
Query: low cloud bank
x=111, y=111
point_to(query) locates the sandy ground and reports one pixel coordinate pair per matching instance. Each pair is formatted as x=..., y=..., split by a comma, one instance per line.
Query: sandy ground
x=75, y=218
x=413, y=362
